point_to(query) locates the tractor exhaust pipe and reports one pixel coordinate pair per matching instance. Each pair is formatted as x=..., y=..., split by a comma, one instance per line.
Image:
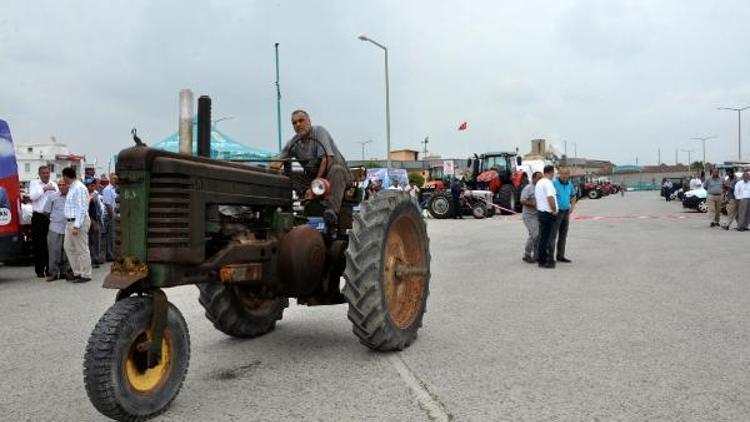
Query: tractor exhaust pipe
x=186, y=122
x=204, y=126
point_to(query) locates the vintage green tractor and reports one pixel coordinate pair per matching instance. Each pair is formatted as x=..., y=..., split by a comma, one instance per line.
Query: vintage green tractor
x=230, y=229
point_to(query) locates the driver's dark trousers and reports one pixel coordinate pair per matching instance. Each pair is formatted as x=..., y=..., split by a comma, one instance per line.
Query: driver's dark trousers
x=339, y=178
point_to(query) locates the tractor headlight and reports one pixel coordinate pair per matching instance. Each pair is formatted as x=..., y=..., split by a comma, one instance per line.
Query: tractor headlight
x=320, y=186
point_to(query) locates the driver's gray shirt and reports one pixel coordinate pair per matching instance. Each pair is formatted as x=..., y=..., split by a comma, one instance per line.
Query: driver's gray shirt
x=308, y=151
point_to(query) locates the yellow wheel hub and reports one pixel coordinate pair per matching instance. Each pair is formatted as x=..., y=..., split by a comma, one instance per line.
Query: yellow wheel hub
x=140, y=377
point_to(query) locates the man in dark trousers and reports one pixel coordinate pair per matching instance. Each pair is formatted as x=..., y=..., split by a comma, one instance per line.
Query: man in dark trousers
x=456, y=196
x=40, y=190
x=546, y=206
x=566, y=202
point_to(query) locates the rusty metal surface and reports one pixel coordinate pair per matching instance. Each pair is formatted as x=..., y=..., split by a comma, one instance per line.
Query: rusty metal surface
x=125, y=272
x=241, y=273
x=302, y=258
x=404, y=270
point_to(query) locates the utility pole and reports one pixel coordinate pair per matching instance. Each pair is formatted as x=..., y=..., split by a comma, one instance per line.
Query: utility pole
x=278, y=96
x=658, y=155
x=575, y=150
x=565, y=141
x=424, y=151
x=690, y=161
x=363, y=143
x=739, y=127
x=676, y=157
x=703, y=139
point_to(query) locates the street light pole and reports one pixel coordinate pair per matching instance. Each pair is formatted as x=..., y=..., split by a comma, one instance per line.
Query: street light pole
x=703, y=139
x=690, y=161
x=387, y=98
x=363, y=143
x=739, y=127
x=278, y=96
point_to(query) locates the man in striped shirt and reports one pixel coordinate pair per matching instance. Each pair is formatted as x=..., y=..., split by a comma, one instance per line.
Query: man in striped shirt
x=77, y=226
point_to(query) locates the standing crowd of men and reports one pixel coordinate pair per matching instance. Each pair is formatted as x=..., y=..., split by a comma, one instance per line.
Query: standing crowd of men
x=73, y=223
x=548, y=203
x=732, y=191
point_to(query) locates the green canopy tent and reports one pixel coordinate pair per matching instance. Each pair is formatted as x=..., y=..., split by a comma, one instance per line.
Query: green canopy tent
x=223, y=147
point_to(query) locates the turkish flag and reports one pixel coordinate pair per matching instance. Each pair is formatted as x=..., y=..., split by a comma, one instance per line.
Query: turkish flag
x=463, y=126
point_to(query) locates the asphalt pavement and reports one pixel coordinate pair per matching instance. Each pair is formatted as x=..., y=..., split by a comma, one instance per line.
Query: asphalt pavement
x=649, y=322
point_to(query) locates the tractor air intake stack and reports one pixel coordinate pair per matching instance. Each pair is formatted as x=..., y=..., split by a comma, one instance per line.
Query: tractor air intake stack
x=204, y=126
x=186, y=122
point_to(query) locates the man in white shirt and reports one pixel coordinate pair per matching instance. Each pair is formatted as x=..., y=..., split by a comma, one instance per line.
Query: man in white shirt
x=39, y=192
x=109, y=199
x=742, y=195
x=695, y=183
x=77, y=219
x=546, y=205
x=395, y=185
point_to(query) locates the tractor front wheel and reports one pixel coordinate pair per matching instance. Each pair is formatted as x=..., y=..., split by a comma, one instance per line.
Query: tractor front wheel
x=119, y=380
x=238, y=312
x=387, y=272
x=440, y=206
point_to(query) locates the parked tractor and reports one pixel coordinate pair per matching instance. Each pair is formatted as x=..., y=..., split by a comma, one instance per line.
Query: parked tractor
x=230, y=229
x=500, y=173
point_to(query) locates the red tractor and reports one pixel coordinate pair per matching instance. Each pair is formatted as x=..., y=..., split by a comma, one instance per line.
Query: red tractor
x=500, y=173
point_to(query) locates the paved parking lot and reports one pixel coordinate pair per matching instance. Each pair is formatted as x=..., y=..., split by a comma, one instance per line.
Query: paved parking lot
x=649, y=322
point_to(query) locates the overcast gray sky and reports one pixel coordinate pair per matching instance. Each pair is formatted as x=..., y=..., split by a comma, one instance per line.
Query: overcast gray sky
x=619, y=78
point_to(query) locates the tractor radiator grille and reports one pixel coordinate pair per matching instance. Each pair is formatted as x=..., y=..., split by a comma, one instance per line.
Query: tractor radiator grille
x=169, y=213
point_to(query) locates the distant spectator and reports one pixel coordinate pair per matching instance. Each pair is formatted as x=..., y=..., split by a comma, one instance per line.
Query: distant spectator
x=458, y=212
x=695, y=183
x=414, y=191
x=730, y=182
x=565, y=193
x=742, y=194
x=77, y=228
x=39, y=191
x=546, y=206
x=395, y=185
x=55, y=208
x=109, y=199
x=27, y=211
x=667, y=189
x=95, y=214
x=714, y=187
x=530, y=218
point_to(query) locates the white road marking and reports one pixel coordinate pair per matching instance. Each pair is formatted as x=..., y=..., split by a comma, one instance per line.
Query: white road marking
x=427, y=401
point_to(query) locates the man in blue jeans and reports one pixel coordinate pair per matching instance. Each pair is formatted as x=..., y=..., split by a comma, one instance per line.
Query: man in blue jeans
x=566, y=203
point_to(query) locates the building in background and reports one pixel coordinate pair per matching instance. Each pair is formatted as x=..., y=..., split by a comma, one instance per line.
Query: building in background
x=53, y=154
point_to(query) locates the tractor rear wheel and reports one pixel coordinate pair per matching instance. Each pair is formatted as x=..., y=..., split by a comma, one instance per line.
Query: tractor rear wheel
x=238, y=312
x=387, y=272
x=119, y=381
x=440, y=206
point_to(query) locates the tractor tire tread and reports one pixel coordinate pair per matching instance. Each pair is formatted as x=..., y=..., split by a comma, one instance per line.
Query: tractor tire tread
x=363, y=290
x=227, y=315
x=98, y=362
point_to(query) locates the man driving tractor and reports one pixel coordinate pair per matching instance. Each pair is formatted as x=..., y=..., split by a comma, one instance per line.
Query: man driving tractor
x=318, y=155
